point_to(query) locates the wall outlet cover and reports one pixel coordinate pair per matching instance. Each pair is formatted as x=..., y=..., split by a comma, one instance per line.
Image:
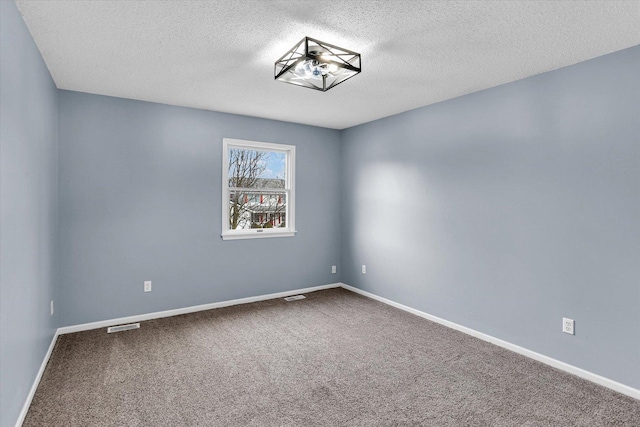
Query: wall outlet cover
x=568, y=326
x=333, y=269
x=147, y=286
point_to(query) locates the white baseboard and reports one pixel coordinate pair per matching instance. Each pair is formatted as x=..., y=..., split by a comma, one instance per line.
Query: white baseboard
x=606, y=382
x=149, y=316
x=185, y=310
x=590, y=376
x=36, y=382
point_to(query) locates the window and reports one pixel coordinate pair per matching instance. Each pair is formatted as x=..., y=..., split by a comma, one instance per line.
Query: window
x=257, y=189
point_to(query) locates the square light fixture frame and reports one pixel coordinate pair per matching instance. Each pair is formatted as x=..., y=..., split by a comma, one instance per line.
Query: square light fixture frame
x=317, y=65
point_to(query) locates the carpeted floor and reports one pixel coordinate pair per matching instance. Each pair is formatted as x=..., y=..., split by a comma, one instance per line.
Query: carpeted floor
x=333, y=359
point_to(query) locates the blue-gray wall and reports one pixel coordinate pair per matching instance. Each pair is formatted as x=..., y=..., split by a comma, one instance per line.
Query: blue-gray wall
x=28, y=210
x=140, y=199
x=503, y=211
x=507, y=209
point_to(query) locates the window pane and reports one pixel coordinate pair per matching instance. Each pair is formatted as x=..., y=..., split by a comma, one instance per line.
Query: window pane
x=257, y=169
x=258, y=181
x=252, y=209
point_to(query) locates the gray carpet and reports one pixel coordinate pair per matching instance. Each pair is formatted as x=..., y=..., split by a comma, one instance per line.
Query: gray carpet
x=333, y=359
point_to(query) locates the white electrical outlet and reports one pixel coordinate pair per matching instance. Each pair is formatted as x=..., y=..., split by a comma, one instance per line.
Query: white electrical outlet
x=52, y=307
x=567, y=326
x=364, y=269
x=147, y=286
x=333, y=269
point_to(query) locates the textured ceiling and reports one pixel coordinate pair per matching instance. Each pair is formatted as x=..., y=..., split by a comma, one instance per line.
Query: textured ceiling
x=219, y=55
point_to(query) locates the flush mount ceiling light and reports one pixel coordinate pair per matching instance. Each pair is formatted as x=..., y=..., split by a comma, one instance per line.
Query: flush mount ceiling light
x=317, y=65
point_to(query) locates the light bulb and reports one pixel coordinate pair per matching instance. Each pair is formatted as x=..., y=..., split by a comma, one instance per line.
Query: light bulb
x=311, y=69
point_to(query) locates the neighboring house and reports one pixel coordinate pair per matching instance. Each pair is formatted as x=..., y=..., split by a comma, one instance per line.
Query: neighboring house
x=261, y=209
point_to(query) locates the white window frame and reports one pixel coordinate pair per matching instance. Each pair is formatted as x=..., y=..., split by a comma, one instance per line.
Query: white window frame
x=289, y=190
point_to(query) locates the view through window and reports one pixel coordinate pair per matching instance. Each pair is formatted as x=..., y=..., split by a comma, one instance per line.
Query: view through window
x=257, y=189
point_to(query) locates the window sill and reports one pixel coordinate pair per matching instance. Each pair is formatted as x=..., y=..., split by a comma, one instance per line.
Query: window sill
x=257, y=235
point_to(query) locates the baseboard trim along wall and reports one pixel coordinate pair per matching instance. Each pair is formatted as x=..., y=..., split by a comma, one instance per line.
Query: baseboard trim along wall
x=598, y=379
x=185, y=310
x=150, y=316
x=36, y=382
x=616, y=386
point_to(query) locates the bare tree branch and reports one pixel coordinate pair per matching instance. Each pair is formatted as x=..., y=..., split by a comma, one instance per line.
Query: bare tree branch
x=245, y=170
